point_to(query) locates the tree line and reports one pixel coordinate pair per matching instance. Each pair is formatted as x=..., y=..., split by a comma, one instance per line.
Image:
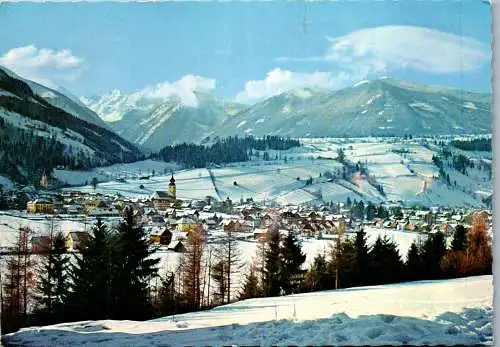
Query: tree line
x=223, y=151
x=117, y=276
x=473, y=145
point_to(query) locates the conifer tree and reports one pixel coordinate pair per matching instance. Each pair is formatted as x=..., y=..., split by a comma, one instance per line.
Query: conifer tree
x=271, y=281
x=347, y=263
x=292, y=260
x=167, y=295
x=53, y=284
x=362, y=263
x=251, y=287
x=459, y=242
x=92, y=295
x=434, y=249
x=413, y=263
x=386, y=264
x=371, y=211
x=218, y=273
x=134, y=270
x=317, y=277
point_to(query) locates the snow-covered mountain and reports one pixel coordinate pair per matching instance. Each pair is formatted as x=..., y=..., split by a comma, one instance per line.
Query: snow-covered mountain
x=61, y=99
x=380, y=107
x=115, y=105
x=155, y=123
x=38, y=117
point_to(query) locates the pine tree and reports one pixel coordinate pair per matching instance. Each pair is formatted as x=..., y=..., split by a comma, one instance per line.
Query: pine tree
x=92, y=288
x=386, y=264
x=362, y=263
x=134, y=270
x=218, y=274
x=271, y=281
x=53, y=284
x=371, y=211
x=434, y=249
x=459, y=242
x=166, y=296
x=292, y=260
x=251, y=287
x=347, y=263
x=348, y=203
x=413, y=263
x=317, y=277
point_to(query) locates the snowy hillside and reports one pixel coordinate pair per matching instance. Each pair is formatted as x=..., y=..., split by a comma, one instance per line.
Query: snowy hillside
x=404, y=169
x=457, y=311
x=61, y=99
x=39, y=124
x=155, y=123
x=374, y=108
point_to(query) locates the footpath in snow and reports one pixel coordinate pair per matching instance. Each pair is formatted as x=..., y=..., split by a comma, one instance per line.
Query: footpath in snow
x=457, y=311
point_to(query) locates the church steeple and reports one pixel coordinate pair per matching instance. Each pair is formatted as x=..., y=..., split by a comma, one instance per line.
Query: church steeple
x=171, y=187
x=44, y=182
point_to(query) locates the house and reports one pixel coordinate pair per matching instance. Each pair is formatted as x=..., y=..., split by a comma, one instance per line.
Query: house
x=177, y=247
x=185, y=224
x=40, y=244
x=73, y=209
x=157, y=220
x=40, y=206
x=259, y=234
x=104, y=212
x=230, y=225
x=161, y=237
x=92, y=204
x=76, y=240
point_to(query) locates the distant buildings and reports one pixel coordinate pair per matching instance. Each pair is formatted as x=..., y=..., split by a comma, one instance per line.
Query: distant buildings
x=42, y=205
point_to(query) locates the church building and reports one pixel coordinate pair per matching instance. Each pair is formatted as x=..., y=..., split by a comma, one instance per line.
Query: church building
x=163, y=199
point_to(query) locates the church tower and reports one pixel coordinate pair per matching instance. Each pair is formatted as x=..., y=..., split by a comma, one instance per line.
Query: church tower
x=171, y=188
x=44, y=182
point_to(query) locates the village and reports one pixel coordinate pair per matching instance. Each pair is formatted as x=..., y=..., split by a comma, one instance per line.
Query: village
x=167, y=220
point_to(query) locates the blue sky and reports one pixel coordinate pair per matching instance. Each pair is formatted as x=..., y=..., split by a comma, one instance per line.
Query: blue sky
x=246, y=50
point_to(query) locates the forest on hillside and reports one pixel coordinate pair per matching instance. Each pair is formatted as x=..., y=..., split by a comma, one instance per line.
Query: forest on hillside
x=226, y=150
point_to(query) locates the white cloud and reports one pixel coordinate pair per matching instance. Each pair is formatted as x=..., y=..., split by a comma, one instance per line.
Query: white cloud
x=372, y=52
x=278, y=81
x=184, y=89
x=44, y=65
x=393, y=47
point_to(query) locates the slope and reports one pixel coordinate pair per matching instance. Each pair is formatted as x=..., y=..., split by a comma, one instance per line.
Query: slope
x=37, y=134
x=383, y=107
x=457, y=311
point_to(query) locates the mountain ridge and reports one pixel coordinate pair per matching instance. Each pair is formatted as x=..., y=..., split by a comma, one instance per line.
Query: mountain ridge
x=380, y=107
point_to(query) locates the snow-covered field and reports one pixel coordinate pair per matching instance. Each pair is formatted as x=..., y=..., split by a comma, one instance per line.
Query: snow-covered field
x=107, y=173
x=400, y=166
x=457, y=311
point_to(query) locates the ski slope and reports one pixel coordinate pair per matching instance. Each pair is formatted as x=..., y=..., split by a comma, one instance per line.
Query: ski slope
x=457, y=311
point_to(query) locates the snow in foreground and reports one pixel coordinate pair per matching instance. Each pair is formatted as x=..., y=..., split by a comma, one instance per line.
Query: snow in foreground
x=455, y=311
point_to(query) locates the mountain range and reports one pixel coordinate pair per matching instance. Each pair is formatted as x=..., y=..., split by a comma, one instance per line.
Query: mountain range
x=42, y=128
x=381, y=107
